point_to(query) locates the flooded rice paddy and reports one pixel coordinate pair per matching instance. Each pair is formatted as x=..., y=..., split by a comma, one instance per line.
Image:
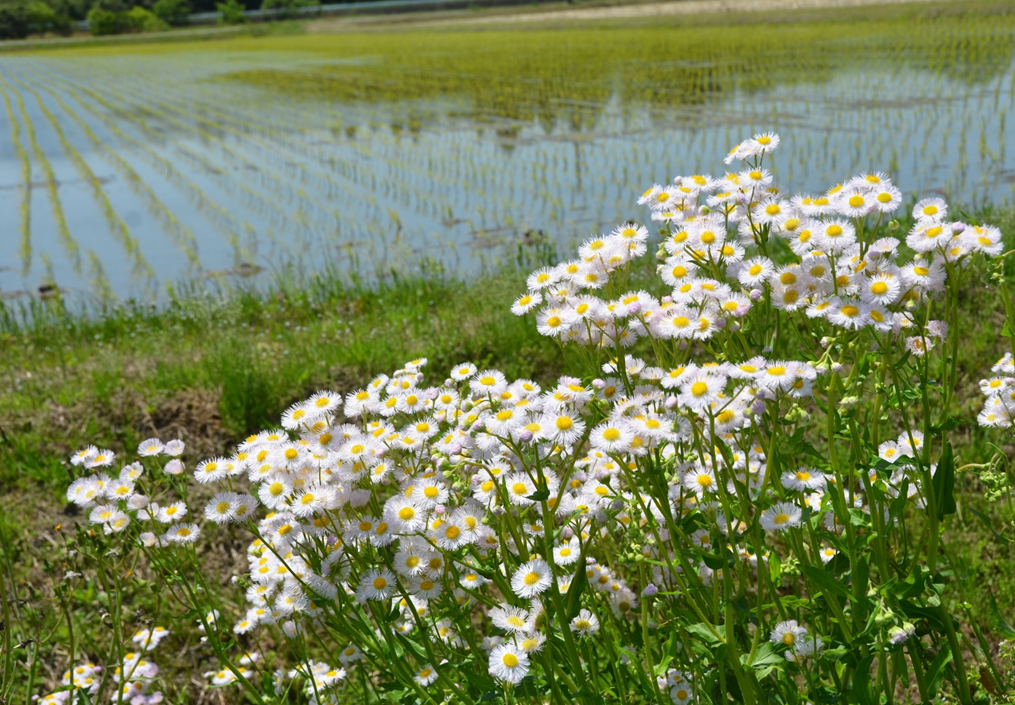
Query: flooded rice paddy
x=125, y=170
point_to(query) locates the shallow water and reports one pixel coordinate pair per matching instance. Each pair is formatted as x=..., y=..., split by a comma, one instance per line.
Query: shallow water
x=233, y=161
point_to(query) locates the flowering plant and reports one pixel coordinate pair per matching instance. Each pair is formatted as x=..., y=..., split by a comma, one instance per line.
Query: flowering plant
x=739, y=495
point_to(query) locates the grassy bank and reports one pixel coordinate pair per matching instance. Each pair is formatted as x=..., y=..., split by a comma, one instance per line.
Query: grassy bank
x=212, y=367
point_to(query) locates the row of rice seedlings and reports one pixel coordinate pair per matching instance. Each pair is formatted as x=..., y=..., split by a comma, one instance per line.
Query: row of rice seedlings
x=215, y=214
x=70, y=246
x=118, y=229
x=304, y=172
x=248, y=134
x=258, y=202
x=25, y=188
x=152, y=203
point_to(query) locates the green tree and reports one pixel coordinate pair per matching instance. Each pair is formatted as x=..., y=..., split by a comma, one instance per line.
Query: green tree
x=102, y=21
x=232, y=12
x=172, y=12
x=138, y=19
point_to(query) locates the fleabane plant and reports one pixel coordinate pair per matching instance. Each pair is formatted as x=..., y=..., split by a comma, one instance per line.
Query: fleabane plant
x=737, y=494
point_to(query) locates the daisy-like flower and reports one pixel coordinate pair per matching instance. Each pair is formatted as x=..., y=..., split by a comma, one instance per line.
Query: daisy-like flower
x=404, y=515
x=887, y=198
x=563, y=428
x=835, y=235
x=700, y=480
x=611, y=437
x=930, y=209
x=855, y=203
x=182, y=533
x=783, y=515
x=174, y=448
x=567, y=553
x=788, y=633
x=172, y=512
x=222, y=508
x=849, y=314
x=84, y=455
x=526, y=302
x=531, y=578
x=323, y=403
x=376, y=584
x=99, y=459
x=488, y=383
x=827, y=553
x=701, y=390
x=150, y=447
x=585, y=624
x=755, y=271
x=804, y=479
x=509, y=663
x=426, y=675
x=764, y=143
x=882, y=289
x=986, y=239
x=512, y=619
x=210, y=470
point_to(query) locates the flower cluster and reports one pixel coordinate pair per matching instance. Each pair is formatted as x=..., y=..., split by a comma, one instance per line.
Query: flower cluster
x=570, y=531
x=999, y=390
x=134, y=677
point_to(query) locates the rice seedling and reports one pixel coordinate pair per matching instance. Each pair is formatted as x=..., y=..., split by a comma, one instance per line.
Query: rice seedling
x=25, y=187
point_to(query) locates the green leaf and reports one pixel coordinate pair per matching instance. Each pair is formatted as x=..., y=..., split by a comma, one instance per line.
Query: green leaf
x=705, y=635
x=574, y=593
x=944, y=483
x=1000, y=625
x=826, y=581
x=862, y=691
x=937, y=669
x=539, y=495
x=766, y=655
x=985, y=520
x=898, y=504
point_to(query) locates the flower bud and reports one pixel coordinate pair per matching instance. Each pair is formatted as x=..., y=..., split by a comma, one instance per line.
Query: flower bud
x=525, y=436
x=598, y=383
x=650, y=590
x=755, y=294
x=671, y=401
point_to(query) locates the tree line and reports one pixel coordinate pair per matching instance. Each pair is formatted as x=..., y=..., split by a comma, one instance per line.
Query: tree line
x=23, y=18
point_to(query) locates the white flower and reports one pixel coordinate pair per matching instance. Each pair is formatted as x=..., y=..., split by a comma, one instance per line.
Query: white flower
x=585, y=624
x=531, y=578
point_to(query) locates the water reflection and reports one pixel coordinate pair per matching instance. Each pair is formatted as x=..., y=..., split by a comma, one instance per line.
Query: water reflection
x=122, y=174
